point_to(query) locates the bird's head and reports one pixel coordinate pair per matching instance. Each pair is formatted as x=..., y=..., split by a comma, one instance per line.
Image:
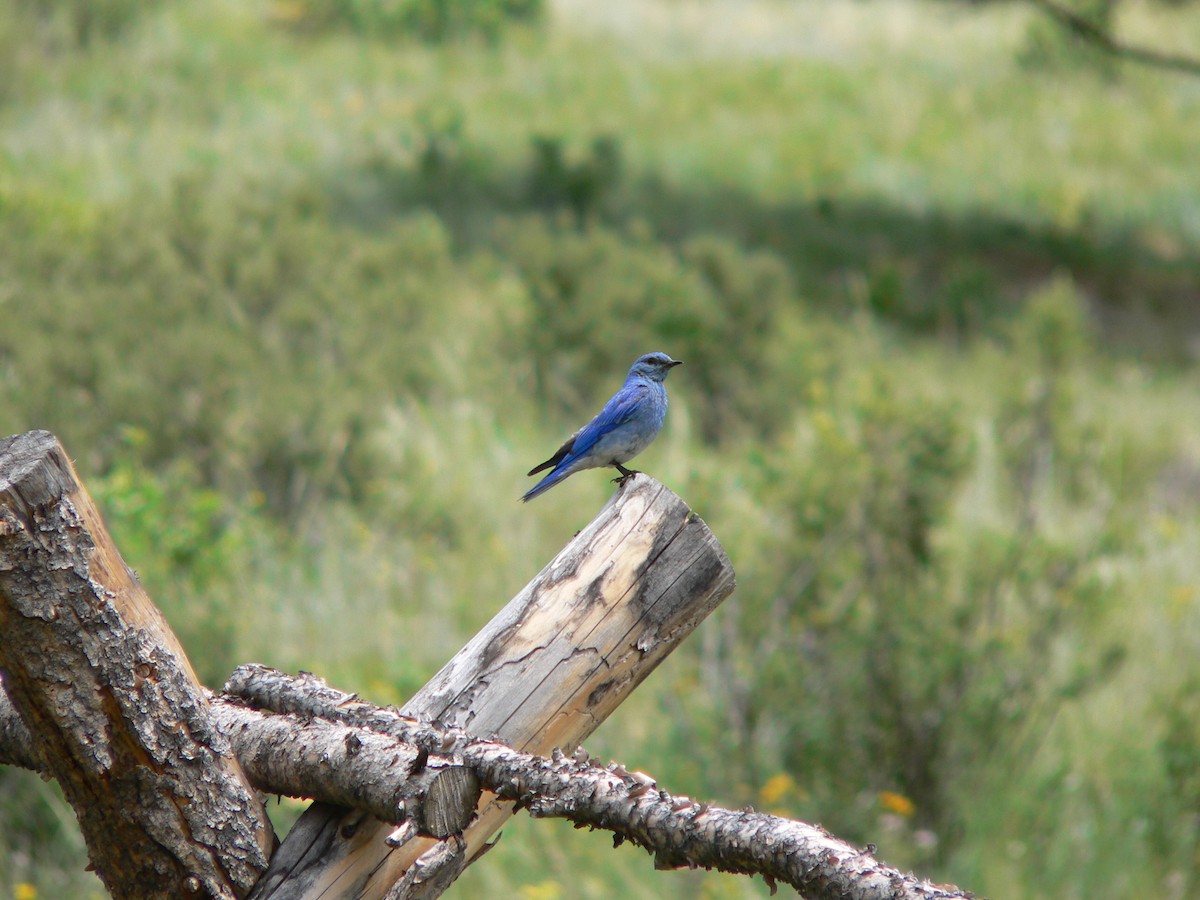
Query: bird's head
x=654, y=366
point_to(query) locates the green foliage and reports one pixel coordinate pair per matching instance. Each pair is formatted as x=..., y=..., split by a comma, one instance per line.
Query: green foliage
x=599, y=294
x=1053, y=45
x=556, y=181
x=190, y=545
x=80, y=23
x=434, y=20
x=1042, y=436
x=243, y=358
x=1173, y=817
x=920, y=648
x=304, y=311
x=966, y=302
x=43, y=850
x=863, y=485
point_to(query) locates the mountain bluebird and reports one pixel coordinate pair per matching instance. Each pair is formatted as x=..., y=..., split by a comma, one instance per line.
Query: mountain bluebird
x=623, y=429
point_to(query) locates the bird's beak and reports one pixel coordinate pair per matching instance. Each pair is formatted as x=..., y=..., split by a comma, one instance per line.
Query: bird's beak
x=675, y=362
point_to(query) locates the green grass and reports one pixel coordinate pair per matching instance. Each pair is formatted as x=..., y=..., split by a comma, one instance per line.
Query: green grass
x=304, y=305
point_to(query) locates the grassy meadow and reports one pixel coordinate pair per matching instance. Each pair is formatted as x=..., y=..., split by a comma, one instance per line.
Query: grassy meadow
x=306, y=286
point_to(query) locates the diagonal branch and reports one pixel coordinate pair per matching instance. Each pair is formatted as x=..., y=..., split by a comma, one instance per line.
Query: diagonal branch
x=678, y=831
x=1087, y=30
x=549, y=667
x=308, y=719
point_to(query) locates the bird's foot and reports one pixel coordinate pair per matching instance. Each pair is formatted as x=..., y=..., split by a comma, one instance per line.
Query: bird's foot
x=625, y=475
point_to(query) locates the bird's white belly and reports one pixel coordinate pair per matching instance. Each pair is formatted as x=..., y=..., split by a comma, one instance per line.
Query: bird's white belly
x=619, y=448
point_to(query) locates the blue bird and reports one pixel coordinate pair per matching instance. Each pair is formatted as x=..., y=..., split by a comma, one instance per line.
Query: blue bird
x=623, y=429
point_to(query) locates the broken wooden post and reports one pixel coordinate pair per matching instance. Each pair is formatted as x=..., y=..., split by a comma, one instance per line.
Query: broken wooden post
x=679, y=831
x=114, y=708
x=302, y=737
x=543, y=674
x=566, y=630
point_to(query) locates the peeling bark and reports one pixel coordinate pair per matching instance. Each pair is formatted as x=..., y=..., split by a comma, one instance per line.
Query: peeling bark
x=678, y=831
x=544, y=673
x=116, y=713
x=146, y=756
x=357, y=767
x=302, y=719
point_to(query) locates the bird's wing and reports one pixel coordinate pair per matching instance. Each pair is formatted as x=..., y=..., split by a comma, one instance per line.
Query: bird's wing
x=618, y=410
x=558, y=457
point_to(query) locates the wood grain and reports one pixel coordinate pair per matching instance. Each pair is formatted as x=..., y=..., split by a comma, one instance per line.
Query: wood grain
x=544, y=673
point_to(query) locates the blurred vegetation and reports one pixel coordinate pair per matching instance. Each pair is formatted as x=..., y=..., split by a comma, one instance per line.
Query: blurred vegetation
x=306, y=287
x=427, y=19
x=1051, y=46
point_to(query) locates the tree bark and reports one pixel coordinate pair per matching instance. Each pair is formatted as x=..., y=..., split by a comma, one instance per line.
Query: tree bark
x=547, y=670
x=331, y=759
x=302, y=718
x=16, y=743
x=678, y=831
x=384, y=775
x=117, y=715
x=143, y=751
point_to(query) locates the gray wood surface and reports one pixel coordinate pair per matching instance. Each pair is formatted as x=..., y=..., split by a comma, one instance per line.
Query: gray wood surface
x=543, y=674
x=115, y=711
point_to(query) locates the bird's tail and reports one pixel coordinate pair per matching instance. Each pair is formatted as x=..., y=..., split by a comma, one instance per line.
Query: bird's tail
x=545, y=484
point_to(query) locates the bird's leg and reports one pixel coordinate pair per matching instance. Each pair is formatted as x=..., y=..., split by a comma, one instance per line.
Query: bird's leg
x=625, y=475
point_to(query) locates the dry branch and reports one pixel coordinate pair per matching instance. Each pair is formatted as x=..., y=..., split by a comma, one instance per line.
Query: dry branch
x=117, y=715
x=1087, y=30
x=544, y=673
x=386, y=776
x=118, y=718
x=303, y=756
x=678, y=831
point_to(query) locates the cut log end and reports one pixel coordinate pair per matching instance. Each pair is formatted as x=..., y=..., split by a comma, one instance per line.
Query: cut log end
x=449, y=804
x=552, y=665
x=31, y=465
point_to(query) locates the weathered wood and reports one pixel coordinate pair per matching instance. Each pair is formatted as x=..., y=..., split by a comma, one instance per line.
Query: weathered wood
x=677, y=830
x=307, y=724
x=350, y=766
x=302, y=756
x=331, y=745
x=547, y=670
x=115, y=711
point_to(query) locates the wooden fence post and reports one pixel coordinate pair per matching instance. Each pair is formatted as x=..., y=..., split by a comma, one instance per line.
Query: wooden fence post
x=114, y=708
x=547, y=670
x=95, y=691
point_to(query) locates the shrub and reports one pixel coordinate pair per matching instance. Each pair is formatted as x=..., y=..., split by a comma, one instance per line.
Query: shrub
x=237, y=333
x=917, y=636
x=81, y=23
x=426, y=19
x=601, y=296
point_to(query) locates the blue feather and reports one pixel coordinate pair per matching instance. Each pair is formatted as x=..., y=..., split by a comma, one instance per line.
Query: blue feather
x=626, y=425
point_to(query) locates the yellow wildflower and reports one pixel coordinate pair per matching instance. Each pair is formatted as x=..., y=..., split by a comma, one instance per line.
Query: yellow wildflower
x=776, y=788
x=897, y=803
